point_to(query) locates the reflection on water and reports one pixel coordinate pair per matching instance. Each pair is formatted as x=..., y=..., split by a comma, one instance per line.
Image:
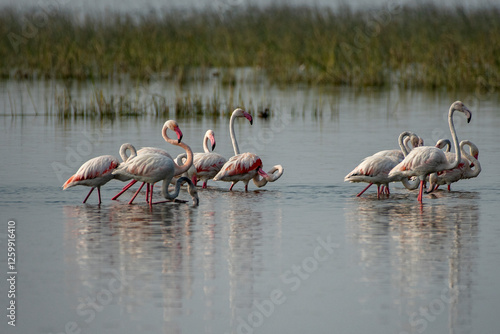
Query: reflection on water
x=159, y=255
x=423, y=257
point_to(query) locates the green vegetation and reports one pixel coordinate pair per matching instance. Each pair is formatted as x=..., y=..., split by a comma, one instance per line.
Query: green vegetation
x=412, y=46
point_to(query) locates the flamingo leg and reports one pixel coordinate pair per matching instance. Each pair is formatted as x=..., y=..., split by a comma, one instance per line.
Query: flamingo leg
x=246, y=187
x=419, y=198
x=204, y=185
x=194, y=179
x=124, y=189
x=99, y=194
x=232, y=185
x=361, y=193
x=147, y=193
x=378, y=190
x=136, y=193
x=387, y=191
x=90, y=192
x=151, y=196
x=449, y=187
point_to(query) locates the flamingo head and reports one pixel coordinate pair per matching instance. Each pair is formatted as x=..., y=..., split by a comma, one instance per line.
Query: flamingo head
x=172, y=125
x=459, y=106
x=238, y=112
x=210, y=134
x=262, y=173
x=442, y=143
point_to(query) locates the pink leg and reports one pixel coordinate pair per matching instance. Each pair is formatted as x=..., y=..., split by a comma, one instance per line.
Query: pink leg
x=449, y=187
x=246, y=187
x=194, y=179
x=361, y=193
x=151, y=197
x=147, y=193
x=419, y=198
x=232, y=185
x=379, y=191
x=204, y=185
x=135, y=195
x=124, y=189
x=90, y=192
x=387, y=191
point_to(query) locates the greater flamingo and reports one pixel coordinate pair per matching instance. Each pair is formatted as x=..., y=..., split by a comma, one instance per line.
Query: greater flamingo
x=375, y=168
x=468, y=167
x=144, y=150
x=245, y=166
x=98, y=171
x=425, y=160
x=208, y=164
x=153, y=167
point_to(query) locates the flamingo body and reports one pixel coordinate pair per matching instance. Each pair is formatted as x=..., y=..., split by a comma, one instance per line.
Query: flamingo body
x=207, y=165
x=242, y=167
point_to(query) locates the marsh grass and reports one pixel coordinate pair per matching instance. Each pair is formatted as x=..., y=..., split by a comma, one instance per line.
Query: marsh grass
x=412, y=46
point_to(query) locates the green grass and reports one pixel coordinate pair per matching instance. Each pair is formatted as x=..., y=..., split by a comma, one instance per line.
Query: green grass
x=412, y=46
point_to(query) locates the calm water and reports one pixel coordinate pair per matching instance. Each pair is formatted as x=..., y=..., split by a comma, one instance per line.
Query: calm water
x=300, y=255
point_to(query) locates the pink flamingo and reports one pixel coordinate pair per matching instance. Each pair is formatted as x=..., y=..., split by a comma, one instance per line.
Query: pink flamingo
x=207, y=164
x=144, y=150
x=468, y=167
x=245, y=166
x=425, y=160
x=375, y=168
x=98, y=171
x=153, y=167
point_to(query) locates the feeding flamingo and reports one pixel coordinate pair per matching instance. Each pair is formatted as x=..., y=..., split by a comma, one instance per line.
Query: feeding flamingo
x=150, y=168
x=468, y=167
x=375, y=168
x=98, y=171
x=245, y=166
x=425, y=160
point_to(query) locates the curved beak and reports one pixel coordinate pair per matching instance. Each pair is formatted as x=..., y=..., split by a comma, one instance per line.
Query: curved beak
x=262, y=173
x=249, y=117
x=468, y=114
x=212, y=141
x=179, y=134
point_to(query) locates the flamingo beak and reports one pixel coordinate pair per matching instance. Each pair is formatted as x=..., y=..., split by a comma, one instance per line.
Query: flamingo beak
x=212, y=140
x=249, y=117
x=179, y=134
x=262, y=173
x=468, y=114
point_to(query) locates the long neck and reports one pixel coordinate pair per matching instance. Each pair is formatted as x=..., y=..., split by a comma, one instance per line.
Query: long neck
x=164, y=188
x=233, y=137
x=260, y=182
x=205, y=144
x=477, y=166
x=458, y=156
x=189, y=161
x=401, y=142
x=123, y=151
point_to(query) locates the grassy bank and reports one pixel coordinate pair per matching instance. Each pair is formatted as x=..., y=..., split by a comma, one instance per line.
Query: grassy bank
x=423, y=46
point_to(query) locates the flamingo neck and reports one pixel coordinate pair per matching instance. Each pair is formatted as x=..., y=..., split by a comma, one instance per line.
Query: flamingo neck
x=205, y=144
x=458, y=156
x=401, y=142
x=233, y=137
x=123, y=151
x=189, y=161
x=477, y=166
x=164, y=188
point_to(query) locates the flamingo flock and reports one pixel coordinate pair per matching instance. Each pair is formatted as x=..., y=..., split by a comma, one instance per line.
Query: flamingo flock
x=426, y=163
x=414, y=165
x=150, y=165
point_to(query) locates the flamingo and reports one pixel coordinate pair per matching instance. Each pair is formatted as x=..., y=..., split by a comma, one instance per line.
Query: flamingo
x=245, y=166
x=468, y=167
x=150, y=168
x=98, y=171
x=425, y=160
x=144, y=150
x=208, y=164
x=375, y=168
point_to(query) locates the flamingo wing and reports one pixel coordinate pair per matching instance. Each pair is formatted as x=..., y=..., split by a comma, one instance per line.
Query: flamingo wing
x=240, y=164
x=208, y=162
x=421, y=160
x=148, y=168
x=154, y=150
x=95, y=172
x=373, y=167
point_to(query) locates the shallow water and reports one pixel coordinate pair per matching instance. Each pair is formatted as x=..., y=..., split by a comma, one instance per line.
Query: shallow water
x=303, y=254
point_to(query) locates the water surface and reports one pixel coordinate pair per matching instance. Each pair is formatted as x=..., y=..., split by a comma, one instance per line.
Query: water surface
x=303, y=254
